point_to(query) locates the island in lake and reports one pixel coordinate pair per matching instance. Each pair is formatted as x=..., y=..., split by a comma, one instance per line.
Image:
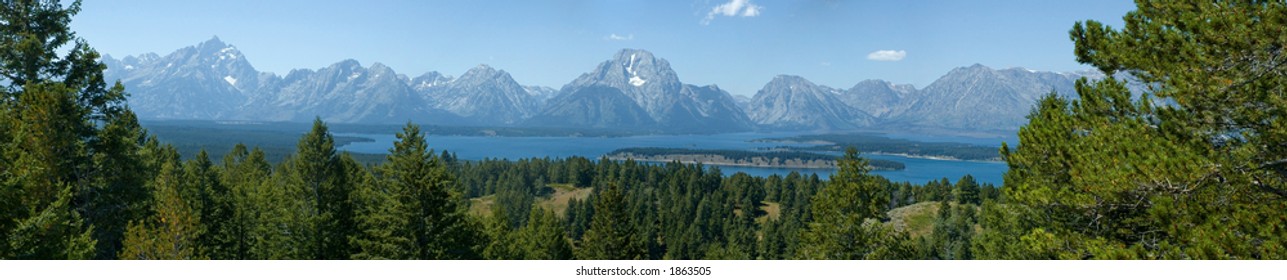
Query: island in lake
x=876, y=144
x=773, y=159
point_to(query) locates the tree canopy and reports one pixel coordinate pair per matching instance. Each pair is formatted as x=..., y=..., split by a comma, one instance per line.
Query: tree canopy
x=1192, y=168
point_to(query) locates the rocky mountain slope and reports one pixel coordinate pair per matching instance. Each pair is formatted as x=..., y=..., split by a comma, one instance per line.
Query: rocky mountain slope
x=634, y=90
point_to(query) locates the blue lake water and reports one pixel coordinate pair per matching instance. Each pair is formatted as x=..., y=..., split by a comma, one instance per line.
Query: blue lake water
x=918, y=170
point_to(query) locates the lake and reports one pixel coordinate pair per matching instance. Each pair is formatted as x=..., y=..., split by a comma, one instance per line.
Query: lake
x=918, y=170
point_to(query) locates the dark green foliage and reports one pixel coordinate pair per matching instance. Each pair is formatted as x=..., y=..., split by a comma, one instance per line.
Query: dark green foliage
x=544, y=237
x=50, y=233
x=967, y=191
x=1196, y=173
x=416, y=208
x=577, y=217
x=953, y=232
x=611, y=236
x=314, y=176
x=66, y=139
x=846, y=218
x=175, y=231
x=242, y=173
x=119, y=194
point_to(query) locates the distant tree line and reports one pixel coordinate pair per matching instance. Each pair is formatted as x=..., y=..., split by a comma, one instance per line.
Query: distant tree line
x=870, y=143
x=738, y=155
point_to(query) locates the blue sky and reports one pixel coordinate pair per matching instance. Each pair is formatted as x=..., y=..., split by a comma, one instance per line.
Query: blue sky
x=737, y=44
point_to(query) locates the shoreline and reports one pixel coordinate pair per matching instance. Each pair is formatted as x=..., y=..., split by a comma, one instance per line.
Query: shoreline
x=668, y=159
x=717, y=163
x=943, y=158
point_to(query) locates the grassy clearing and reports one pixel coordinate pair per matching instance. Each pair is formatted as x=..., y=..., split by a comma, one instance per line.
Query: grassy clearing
x=916, y=219
x=481, y=206
x=556, y=201
x=772, y=210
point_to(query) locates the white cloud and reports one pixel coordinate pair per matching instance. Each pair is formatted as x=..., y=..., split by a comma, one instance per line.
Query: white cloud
x=615, y=37
x=887, y=55
x=733, y=8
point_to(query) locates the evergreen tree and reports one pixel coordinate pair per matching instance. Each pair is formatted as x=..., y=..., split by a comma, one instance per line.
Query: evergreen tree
x=119, y=195
x=846, y=217
x=45, y=159
x=314, y=175
x=282, y=228
x=503, y=241
x=437, y=226
x=244, y=171
x=174, y=232
x=610, y=236
x=65, y=132
x=383, y=227
x=967, y=190
x=953, y=231
x=213, y=202
x=544, y=237
x=52, y=232
x=1198, y=173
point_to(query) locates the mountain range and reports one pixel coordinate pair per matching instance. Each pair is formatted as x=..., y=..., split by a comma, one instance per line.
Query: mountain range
x=634, y=90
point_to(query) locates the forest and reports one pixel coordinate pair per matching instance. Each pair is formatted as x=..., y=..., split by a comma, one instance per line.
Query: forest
x=1194, y=169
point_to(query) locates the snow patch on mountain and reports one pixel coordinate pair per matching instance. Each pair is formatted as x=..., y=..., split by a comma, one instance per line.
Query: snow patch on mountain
x=635, y=80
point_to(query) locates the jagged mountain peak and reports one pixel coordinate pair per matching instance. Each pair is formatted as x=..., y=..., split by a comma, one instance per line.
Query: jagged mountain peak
x=213, y=80
x=873, y=82
x=652, y=85
x=791, y=81
x=429, y=80
x=628, y=54
x=216, y=48
x=212, y=43
x=788, y=78
x=380, y=68
x=346, y=64
x=636, y=68
x=484, y=71
x=793, y=102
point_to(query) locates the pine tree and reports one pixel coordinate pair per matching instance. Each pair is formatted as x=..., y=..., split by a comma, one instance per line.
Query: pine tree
x=846, y=217
x=967, y=191
x=1196, y=173
x=65, y=132
x=174, y=232
x=503, y=241
x=53, y=232
x=283, y=225
x=544, y=237
x=119, y=195
x=384, y=232
x=213, y=202
x=243, y=172
x=610, y=236
x=45, y=159
x=436, y=223
x=314, y=176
